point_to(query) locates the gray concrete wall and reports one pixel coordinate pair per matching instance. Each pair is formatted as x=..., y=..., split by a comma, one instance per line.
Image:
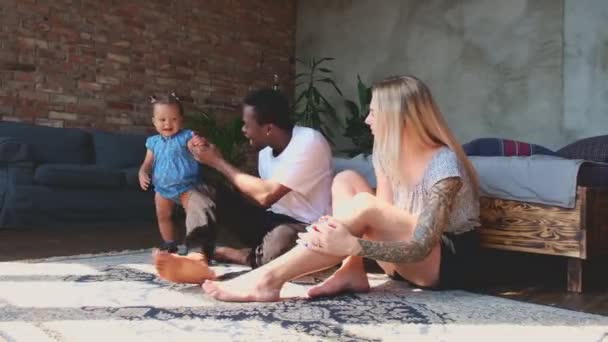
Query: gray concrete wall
x=585, y=68
x=494, y=66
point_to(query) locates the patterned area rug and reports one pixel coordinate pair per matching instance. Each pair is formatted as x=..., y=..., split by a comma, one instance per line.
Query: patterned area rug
x=117, y=297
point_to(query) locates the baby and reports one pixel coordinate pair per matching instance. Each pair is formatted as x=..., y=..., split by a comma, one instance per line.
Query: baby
x=174, y=172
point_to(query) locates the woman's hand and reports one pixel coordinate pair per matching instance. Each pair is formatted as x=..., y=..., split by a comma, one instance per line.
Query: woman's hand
x=330, y=236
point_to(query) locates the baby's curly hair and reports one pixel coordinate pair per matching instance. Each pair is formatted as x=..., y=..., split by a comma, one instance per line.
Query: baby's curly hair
x=170, y=99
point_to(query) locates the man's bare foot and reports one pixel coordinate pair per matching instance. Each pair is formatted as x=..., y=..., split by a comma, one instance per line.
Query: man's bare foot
x=232, y=255
x=192, y=269
x=255, y=286
x=343, y=280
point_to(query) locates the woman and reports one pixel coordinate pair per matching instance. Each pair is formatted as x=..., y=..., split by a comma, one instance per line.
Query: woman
x=419, y=225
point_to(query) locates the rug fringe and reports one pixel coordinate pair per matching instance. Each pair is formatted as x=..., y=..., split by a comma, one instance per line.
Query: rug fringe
x=88, y=255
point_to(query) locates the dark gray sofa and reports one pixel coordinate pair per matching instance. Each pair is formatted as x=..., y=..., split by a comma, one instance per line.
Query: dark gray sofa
x=55, y=176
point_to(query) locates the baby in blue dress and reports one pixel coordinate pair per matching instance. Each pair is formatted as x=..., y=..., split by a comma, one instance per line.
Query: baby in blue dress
x=168, y=165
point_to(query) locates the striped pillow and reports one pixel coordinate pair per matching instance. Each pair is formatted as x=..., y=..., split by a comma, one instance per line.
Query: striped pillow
x=490, y=147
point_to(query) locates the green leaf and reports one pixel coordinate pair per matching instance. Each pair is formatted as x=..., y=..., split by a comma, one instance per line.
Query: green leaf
x=315, y=63
x=316, y=96
x=331, y=81
x=311, y=107
x=329, y=135
x=299, y=98
x=310, y=93
x=325, y=102
x=355, y=127
x=301, y=74
x=352, y=108
x=365, y=93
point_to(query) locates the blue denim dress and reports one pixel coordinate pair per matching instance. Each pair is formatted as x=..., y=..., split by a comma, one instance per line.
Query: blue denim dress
x=175, y=171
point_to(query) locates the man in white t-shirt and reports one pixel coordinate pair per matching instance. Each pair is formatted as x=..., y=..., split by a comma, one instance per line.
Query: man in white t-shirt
x=267, y=213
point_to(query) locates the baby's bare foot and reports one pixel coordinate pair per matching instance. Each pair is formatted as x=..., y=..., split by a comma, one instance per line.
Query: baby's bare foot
x=190, y=269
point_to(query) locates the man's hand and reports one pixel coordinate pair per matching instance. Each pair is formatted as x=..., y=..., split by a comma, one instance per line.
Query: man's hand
x=206, y=154
x=144, y=180
x=197, y=140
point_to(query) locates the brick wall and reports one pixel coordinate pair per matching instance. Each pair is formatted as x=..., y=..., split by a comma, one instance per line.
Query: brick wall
x=94, y=63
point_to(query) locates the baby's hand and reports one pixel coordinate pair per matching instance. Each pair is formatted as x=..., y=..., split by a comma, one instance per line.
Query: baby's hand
x=144, y=180
x=197, y=140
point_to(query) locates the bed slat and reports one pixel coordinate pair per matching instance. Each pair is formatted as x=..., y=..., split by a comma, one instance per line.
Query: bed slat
x=535, y=228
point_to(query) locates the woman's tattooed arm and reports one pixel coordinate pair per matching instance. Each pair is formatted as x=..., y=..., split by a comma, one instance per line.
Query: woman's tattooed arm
x=431, y=223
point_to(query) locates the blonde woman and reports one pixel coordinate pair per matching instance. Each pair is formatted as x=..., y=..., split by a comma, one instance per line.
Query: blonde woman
x=418, y=226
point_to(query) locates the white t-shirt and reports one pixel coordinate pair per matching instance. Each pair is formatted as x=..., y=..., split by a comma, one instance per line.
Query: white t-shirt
x=305, y=166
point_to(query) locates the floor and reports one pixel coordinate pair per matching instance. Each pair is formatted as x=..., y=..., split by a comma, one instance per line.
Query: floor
x=542, y=280
x=519, y=276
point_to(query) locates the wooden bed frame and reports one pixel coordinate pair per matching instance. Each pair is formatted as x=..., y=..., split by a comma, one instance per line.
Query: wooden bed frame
x=579, y=233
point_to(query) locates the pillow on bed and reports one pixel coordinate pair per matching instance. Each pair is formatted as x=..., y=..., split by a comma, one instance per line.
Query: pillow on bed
x=593, y=149
x=496, y=147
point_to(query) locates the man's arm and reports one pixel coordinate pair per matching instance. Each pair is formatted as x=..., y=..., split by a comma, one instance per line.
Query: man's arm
x=431, y=223
x=264, y=192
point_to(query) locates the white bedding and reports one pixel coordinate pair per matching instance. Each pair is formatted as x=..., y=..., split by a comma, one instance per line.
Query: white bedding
x=537, y=179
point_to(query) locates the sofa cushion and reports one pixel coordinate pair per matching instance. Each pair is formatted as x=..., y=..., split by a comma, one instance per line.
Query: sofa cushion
x=54, y=206
x=131, y=177
x=496, y=147
x=50, y=144
x=77, y=175
x=119, y=150
x=361, y=164
x=594, y=149
x=13, y=150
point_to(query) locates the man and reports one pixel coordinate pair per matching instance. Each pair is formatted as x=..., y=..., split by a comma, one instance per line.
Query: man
x=293, y=190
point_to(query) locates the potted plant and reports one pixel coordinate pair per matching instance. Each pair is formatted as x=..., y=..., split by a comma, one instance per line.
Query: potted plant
x=228, y=137
x=311, y=108
x=356, y=129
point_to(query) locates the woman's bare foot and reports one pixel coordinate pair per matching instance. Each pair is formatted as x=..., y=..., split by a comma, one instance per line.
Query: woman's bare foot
x=233, y=255
x=192, y=269
x=346, y=279
x=255, y=286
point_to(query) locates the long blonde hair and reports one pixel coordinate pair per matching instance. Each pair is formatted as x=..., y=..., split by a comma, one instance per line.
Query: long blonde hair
x=406, y=99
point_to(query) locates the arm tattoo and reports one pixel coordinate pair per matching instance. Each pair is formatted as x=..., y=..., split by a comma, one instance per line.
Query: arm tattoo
x=431, y=223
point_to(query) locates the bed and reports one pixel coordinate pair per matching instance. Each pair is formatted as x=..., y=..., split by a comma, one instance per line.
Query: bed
x=579, y=233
